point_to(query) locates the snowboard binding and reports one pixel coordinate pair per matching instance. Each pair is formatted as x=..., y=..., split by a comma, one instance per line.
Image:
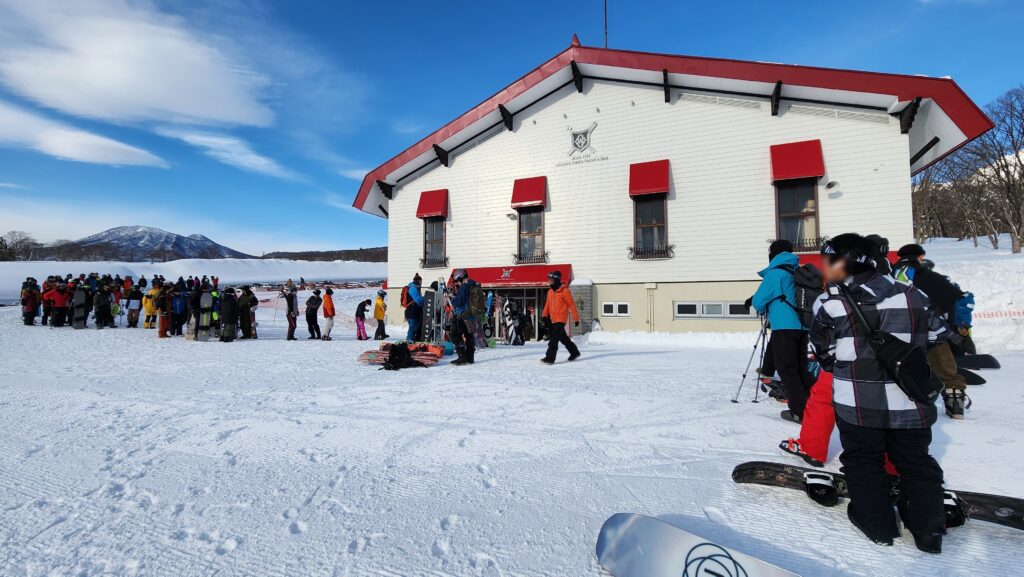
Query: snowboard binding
x=956, y=513
x=821, y=488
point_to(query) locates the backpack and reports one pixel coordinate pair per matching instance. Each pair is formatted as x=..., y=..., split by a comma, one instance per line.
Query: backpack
x=399, y=357
x=808, y=288
x=406, y=299
x=477, y=301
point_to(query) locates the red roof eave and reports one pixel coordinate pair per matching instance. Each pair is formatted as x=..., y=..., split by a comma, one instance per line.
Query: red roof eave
x=968, y=117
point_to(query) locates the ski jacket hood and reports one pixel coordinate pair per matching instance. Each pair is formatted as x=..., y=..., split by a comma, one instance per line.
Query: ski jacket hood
x=776, y=295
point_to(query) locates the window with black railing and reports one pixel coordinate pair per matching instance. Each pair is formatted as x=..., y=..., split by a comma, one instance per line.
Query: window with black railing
x=650, y=228
x=531, y=237
x=797, y=213
x=433, y=243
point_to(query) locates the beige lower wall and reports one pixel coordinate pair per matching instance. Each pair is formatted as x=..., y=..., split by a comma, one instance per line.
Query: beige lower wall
x=652, y=306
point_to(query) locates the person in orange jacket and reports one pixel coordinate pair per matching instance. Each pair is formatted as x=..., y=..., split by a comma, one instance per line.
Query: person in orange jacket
x=328, y=313
x=556, y=309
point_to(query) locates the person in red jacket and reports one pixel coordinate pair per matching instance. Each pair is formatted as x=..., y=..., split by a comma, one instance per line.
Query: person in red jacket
x=328, y=313
x=556, y=309
x=58, y=298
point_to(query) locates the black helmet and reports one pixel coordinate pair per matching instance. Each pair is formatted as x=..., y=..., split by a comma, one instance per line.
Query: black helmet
x=857, y=251
x=555, y=276
x=911, y=251
x=460, y=274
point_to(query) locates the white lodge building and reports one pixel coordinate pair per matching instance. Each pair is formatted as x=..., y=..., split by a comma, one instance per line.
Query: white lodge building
x=657, y=181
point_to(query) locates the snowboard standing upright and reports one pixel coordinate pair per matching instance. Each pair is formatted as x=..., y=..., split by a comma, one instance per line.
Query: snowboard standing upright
x=205, y=316
x=427, y=321
x=79, y=309
x=632, y=545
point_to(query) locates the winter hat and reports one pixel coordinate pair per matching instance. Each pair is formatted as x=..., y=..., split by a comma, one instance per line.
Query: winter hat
x=555, y=276
x=316, y=291
x=911, y=251
x=779, y=246
x=329, y=291
x=857, y=251
x=382, y=293
x=417, y=279
x=881, y=242
x=460, y=274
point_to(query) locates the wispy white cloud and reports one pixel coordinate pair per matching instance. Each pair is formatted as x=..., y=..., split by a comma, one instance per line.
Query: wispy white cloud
x=408, y=126
x=11, y=185
x=123, y=61
x=23, y=129
x=230, y=150
x=354, y=173
x=335, y=200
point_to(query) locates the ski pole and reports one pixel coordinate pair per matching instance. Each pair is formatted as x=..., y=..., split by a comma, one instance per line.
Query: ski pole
x=757, y=383
x=753, y=352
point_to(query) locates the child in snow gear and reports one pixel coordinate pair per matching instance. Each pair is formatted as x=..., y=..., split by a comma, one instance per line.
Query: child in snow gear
x=412, y=302
x=557, y=307
x=875, y=417
x=149, y=305
x=291, y=300
x=229, y=311
x=461, y=335
x=776, y=298
x=380, y=309
x=246, y=302
x=312, y=308
x=361, y=320
x=29, y=301
x=328, y=313
x=58, y=299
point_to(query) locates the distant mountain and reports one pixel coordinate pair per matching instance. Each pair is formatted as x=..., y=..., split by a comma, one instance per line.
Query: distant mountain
x=376, y=254
x=138, y=244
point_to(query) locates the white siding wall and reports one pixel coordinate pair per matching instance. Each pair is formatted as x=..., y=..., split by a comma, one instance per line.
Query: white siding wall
x=721, y=207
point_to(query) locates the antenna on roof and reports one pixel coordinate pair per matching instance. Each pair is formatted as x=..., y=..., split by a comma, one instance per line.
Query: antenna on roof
x=606, y=23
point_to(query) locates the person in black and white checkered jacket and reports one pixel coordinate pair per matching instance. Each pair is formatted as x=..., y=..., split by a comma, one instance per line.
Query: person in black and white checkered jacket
x=875, y=417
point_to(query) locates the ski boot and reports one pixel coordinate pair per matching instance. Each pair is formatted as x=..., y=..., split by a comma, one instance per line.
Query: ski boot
x=773, y=388
x=956, y=402
x=792, y=446
x=790, y=416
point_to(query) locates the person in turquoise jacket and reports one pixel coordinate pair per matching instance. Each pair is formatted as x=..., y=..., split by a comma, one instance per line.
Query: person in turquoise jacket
x=776, y=299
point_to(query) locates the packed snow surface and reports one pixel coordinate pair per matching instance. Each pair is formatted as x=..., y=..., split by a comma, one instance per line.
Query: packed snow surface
x=124, y=454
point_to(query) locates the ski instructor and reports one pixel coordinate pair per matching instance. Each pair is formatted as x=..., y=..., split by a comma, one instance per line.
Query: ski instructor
x=557, y=308
x=776, y=298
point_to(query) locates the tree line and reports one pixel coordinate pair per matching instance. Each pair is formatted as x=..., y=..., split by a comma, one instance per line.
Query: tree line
x=978, y=191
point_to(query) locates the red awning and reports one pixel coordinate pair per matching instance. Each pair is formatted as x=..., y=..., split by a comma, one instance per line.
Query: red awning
x=433, y=203
x=797, y=160
x=648, y=178
x=525, y=276
x=527, y=192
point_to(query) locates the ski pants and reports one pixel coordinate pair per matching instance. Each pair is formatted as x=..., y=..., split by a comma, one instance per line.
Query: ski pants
x=789, y=351
x=557, y=335
x=328, y=327
x=149, y=322
x=942, y=361
x=819, y=419
x=361, y=329
x=463, y=339
x=245, y=323
x=47, y=311
x=921, y=494
x=60, y=316
x=164, y=325
x=381, y=334
x=312, y=325
x=413, y=335
x=292, y=322
x=133, y=318
x=29, y=317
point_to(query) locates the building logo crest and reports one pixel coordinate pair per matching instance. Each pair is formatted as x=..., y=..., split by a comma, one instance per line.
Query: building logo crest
x=582, y=140
x=506, y=273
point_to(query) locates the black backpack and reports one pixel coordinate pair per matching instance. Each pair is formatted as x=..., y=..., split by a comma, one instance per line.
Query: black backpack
x=808, y=288
x=399, y=357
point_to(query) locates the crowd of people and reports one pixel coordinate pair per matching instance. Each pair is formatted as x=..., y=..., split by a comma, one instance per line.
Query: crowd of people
x=870, y=356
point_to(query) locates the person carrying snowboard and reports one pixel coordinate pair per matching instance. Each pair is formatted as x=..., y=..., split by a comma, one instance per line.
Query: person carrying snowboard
x=229, y=311
x=361, y=320
x=776, y=299
x=291, y=299
x=380, y=309
x=412, y=302
x=246, y=302
x=557, y=307
x=328, y=313
x=875, y=416
x=312, y=308
x=461, y=334
x=101, y=305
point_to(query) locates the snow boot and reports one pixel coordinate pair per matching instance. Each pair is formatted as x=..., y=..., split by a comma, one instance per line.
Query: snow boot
x=876, y=539
x=792, y=446
x=573, y=357
x=955, y=402
x=790, y=416
x=774, y=389
x=821, y=488
x=956, y=515
x=546, y=361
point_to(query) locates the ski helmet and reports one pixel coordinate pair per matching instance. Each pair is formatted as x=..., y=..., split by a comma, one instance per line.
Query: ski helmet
x=857, y=251
x=555, y=276
x=460, y=274
x=382, y=293
x=911, y=251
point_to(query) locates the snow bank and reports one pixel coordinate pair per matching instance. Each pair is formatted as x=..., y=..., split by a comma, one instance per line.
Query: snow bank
x=230, y=271
x=672, y=340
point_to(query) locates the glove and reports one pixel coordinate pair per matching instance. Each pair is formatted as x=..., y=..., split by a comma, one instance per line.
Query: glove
x=748, y=303
x=546, y=319
x=576, y=324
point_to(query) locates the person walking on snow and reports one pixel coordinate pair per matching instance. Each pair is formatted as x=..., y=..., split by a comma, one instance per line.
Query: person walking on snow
x=312, y=308
x=328, y=313
x=380, y=309
x=412, y=301
x=557, y=307
x=361, y=320
x=875, y=417
x=291, y=300
x=776, y=298
x=461, y=334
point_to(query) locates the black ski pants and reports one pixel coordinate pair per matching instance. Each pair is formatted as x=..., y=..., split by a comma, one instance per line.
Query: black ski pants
x=921, y=494
x=60, y=316
x=381, y=334
x=312, y=325
x=557, y=334
x=464, y=340
x=789, y=351
x=245, y=322
x=291, y=327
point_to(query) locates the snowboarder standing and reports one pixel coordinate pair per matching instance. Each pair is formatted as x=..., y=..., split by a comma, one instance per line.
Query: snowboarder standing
x=776, y=298
x=312, y=308
x=101, y=305
x=557, y=307
x=328, y=313
x=412, y=302
x=229, y=311
x=291, y=300
x=875, y=417
x=246, y=302
x=29, y=301
x=361, y=320
x=461, y=334
x=58, y=298
x=380, y=309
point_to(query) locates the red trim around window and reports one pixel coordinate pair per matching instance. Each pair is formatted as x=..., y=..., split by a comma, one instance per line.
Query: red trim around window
x=433, y=203
x=648, y=178
x=797, y=160
x=528, y=192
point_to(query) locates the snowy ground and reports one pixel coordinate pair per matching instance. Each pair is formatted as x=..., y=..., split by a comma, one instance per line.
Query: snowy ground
x=123, y=454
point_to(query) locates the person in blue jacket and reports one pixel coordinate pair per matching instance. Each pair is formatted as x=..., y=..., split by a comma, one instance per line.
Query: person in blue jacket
x=414, y=309
x=461, y=336
x=776, y=299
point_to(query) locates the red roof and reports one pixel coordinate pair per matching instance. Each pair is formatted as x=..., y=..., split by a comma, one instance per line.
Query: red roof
x=963, y=112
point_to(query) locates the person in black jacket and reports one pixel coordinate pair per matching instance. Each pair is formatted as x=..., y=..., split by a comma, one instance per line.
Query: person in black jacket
x=361, y=320
x=229, y=311
x=875, y=417
x=246, y=302
x=291, y=300
x=312, y=308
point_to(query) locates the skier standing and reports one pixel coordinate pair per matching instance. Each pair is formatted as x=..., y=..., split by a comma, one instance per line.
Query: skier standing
x=557, y=307
x=776, y=298
x=875, y=417
x=380, y=309
x=328, y=313
x=312, y=308
x=291, y=300
x=149, y=305
x=461, y=334
x=412, y=301
x=361, y=320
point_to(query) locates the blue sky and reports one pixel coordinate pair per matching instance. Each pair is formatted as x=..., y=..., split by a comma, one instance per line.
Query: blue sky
x=253, y=122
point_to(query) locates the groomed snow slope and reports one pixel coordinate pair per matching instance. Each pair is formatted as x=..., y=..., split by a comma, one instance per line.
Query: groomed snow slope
x=123, y=454
x=230, y=271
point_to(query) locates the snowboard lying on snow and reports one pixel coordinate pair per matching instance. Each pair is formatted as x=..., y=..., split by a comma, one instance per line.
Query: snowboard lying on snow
x=1006, y=511
x=977, y=362
x=631, y=545
x=971, y=377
